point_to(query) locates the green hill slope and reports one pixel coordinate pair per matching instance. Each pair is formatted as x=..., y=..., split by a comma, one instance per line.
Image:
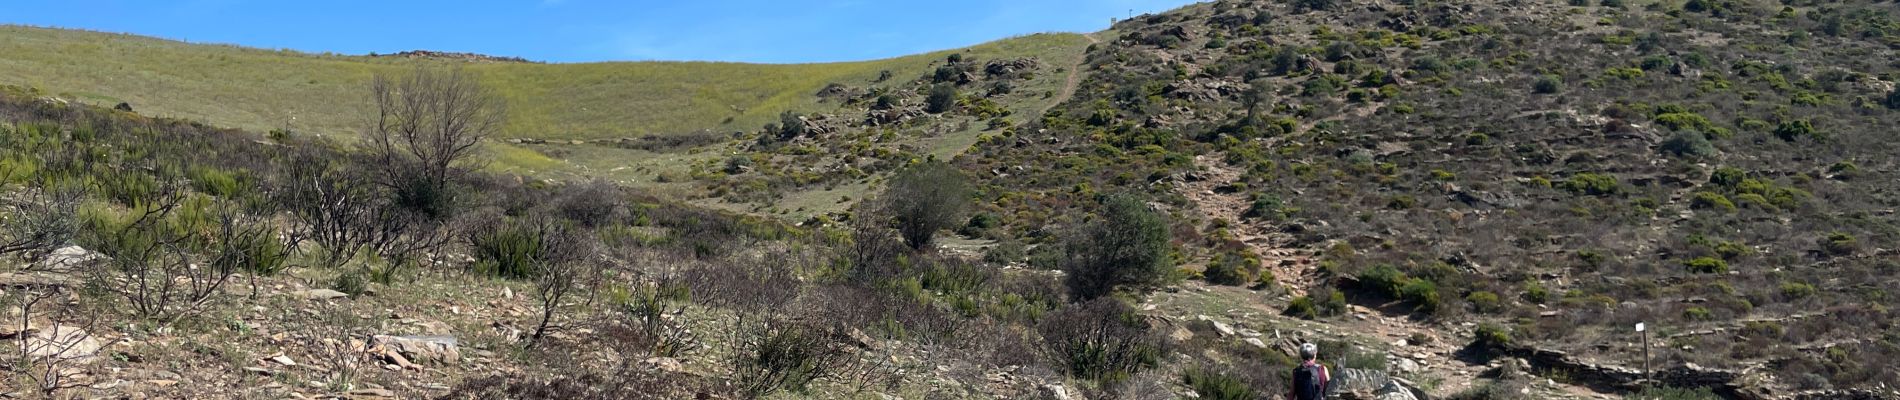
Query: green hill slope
x=322, y=93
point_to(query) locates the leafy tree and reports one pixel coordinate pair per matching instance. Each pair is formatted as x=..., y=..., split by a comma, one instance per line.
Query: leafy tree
x=926, y=198
x=1126, y=244
x=1258, y=91
x=942, y=99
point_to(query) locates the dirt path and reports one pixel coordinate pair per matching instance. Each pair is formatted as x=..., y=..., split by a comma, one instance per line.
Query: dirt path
x=1074, y=81
x=1295, y=267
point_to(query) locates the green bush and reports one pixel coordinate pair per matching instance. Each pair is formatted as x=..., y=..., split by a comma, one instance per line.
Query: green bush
x=1728, y=177
x=1535, y=293
x=1684, y=120
x=1706, y=265
x=923, y=199
x=352, y=283
x=1708, y=200
x=1212, y=385
x=1697, y=314
x=1839, y=244
x=1422, y=293
x=1231, y=269
x=1893, y=99
x=1302, y=307
x=1484, y=302
x=1491, y=335
x=1795, y=129
x=1125, y=245
x=1592, y=184
x=942, y=99
x=1688, y=144
x=1383, y=278
x=1667, y=393
x=1264, y=206
x=1548, y=84
x=1796, y=290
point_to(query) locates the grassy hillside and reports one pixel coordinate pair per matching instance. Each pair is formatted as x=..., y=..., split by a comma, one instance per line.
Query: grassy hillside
x=261, y=89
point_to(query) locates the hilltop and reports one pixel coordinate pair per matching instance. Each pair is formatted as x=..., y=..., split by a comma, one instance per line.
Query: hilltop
x=261, y=90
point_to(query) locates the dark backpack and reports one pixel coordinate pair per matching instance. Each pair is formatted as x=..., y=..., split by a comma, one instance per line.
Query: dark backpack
x=1306, y=382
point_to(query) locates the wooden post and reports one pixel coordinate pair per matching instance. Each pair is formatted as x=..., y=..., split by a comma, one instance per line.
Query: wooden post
x=1647, y=376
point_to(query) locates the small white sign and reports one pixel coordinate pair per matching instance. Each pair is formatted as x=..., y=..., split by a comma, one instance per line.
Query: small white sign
x=1639, y=327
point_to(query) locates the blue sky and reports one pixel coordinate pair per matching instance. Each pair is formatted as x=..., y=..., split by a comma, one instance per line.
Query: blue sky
x=787, y=31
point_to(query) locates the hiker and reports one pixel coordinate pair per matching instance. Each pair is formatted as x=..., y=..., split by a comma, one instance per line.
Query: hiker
x=1310, y=378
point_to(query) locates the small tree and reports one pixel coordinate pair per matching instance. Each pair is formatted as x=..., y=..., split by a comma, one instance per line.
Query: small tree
x=925, y=198
x=553, y=253
x=427, y=126
x=1126, y=244
x=942, y=99
x=39, y=221
x=1258, y=91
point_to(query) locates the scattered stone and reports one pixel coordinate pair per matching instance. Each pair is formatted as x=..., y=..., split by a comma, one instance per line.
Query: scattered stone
x=162, y=382
x=1256, y=342
x=507, y=293
x=259, y=371
x=417, y=349
x=667, y=364
x=283, y=360
x=1055, y=391
x=322, y=294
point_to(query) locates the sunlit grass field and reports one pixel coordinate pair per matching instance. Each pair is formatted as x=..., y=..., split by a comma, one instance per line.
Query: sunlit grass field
x=324, y=94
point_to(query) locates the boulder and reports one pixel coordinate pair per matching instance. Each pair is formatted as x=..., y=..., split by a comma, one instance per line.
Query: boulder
x=67, y=259
x=64, y=343
x=417, y=349
x=1349, y=383
x=1055, y=391
x=321, y=294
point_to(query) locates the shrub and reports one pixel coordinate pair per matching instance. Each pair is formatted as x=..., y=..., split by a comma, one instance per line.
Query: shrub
x=1102, y=340
x=1547, y=84
x=1535, y=293
x=1231, y=269
x=1592, y=184
x=1264, y=206
x=1688, y=144
x=1794, y=129
x=1706, y=265
x=1669, y=393
x=1796, y=290
x=1302, y=307
x=1491, y=336
x=1383, y=278
x=1126, y=244
x=942, y=99
x=1838, y=244
x=1707, y=200
x=352, y=283
x=39, y=221
x=1213, y=385
x=1697, y=314
x=1423, y=293
x=785, y=355
x=1484, y=302
x=1893, y=99
x=1728, y=177
x=924, y=199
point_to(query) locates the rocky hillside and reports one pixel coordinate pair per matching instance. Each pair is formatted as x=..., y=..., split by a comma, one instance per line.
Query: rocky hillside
x=1551, y=173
